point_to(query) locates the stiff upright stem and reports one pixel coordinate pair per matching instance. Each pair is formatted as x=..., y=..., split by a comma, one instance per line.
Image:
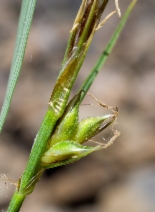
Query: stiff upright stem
x=16, y=202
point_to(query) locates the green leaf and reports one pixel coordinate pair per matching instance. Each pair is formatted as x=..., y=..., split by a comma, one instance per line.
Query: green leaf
x=25, y=20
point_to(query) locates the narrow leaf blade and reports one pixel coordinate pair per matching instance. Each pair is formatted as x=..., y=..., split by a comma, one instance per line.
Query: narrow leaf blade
x=25, y=20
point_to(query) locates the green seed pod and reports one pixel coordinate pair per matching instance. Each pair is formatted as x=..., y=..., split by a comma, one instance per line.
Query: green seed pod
x=68, y=123
x=91, y=126
x=64, y=153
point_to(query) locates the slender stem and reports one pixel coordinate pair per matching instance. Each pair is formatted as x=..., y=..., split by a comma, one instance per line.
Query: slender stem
x=16, y=202
x=97, y=68
x=38, y=149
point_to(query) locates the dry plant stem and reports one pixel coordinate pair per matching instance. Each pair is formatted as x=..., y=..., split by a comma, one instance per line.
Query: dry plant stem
x=113, y=109
x=5, y=178
x=105, y=20
x=110, y=142
x=118, y=9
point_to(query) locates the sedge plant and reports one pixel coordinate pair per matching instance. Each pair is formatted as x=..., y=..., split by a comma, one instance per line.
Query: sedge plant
x=60, y=138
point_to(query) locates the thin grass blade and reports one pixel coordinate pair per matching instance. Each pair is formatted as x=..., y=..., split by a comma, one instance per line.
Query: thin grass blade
x=26, y=15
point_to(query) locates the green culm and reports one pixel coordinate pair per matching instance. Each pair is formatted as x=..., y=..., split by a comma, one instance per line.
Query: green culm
x=60, y=138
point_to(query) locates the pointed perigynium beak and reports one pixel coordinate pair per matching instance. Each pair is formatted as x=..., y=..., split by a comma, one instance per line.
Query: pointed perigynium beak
x=91, y=126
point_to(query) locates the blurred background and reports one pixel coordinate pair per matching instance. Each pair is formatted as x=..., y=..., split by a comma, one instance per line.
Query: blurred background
x=120, y=178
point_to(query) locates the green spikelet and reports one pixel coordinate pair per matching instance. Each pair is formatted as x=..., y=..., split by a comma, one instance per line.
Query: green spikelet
x=68, y=123
x=91, y=126
x=64, y=153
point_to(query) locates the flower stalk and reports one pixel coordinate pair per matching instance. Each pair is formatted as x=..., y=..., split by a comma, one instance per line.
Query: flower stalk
x=80, y=38
x=61, y=136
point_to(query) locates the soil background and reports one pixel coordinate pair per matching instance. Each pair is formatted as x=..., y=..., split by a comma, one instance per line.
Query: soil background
x=120, y=178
